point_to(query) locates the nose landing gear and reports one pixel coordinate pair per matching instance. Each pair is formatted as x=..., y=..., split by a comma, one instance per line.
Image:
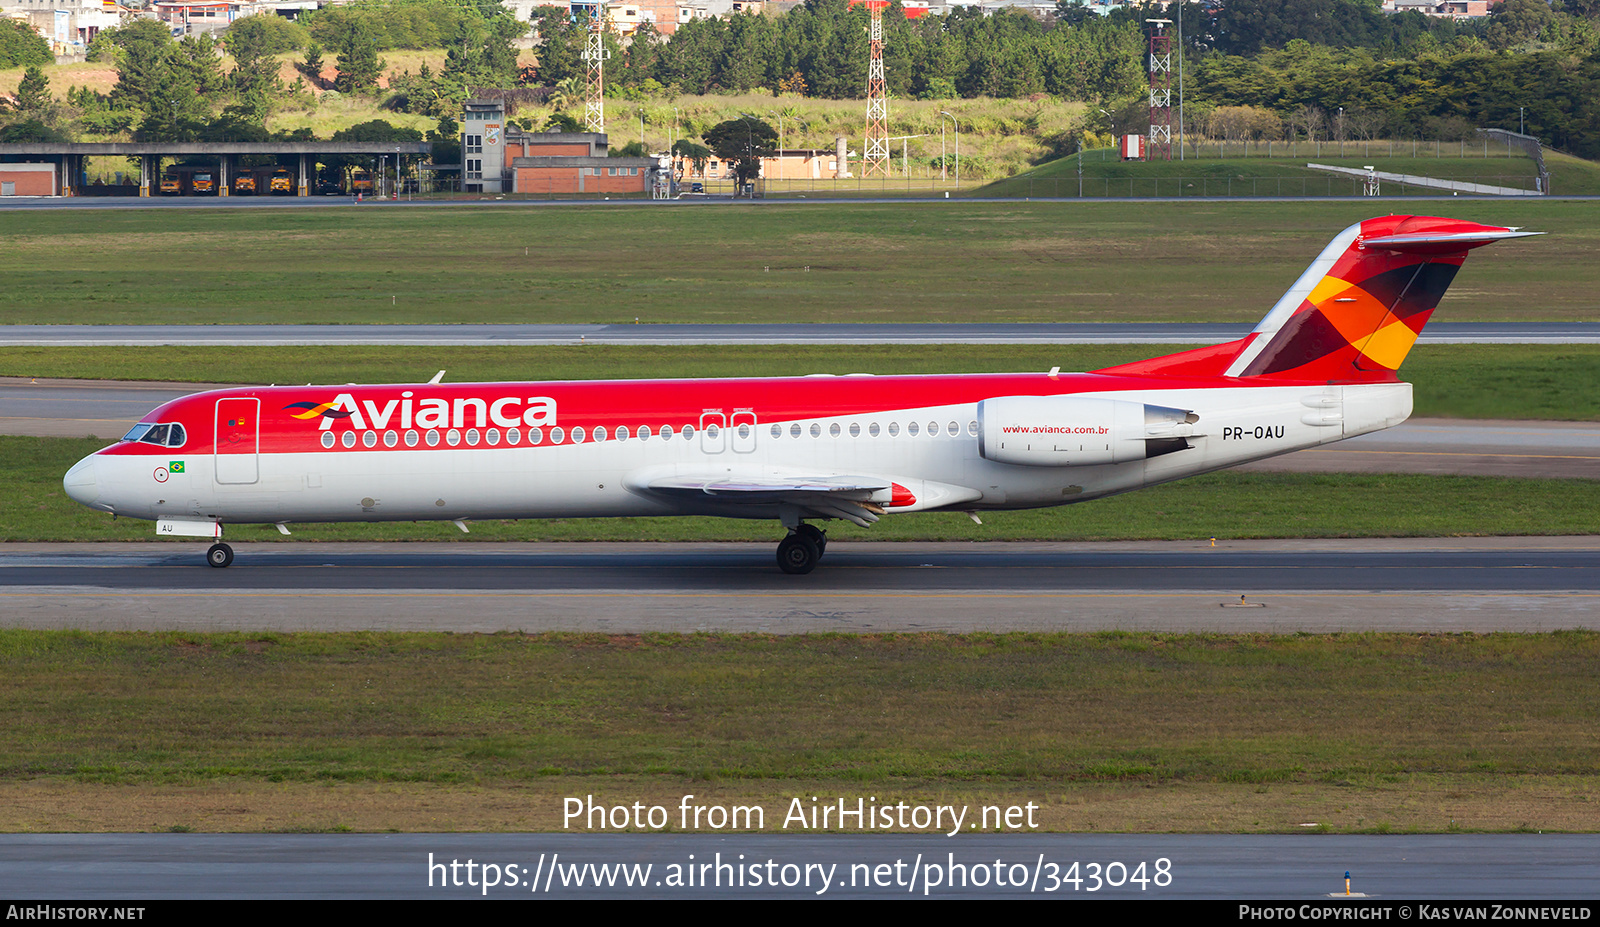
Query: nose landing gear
x=220, y=555
x=799, y=552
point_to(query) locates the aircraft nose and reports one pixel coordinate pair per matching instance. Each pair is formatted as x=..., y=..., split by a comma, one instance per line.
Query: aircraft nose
x=81, y=483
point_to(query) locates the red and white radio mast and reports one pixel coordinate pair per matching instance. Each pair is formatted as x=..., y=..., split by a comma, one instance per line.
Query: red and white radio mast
x=594, y=54
x=1160, y=139
x=876, y=159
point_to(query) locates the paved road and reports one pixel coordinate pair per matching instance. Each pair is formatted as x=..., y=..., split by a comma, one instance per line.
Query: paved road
x=23, y=203
x=1469, y=584
x=1302, y=870
x=1062, y=333
x=76, y=408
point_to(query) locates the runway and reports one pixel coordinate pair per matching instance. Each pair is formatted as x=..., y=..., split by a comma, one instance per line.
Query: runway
x=1422, y=585
x=740, y=334
x=1390, y=872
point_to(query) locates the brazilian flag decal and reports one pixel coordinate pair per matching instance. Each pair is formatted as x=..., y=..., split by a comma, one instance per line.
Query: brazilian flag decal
x=175, y=466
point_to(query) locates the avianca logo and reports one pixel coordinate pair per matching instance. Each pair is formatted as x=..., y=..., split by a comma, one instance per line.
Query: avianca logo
x=1054, y=430
x=506, y=412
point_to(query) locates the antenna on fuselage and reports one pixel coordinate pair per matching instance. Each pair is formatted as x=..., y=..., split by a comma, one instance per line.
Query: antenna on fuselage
x=436, y=378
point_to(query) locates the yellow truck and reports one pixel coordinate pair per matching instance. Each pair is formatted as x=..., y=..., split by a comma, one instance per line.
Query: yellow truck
x=204, y=184
x=282, y=182
x=171, y=183
x=244, y=183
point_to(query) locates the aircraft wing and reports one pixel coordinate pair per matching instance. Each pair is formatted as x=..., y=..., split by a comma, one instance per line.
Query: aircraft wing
x=857, y=499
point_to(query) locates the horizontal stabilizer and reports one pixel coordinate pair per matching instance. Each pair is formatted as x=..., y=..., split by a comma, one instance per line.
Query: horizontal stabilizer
x=1450, y=243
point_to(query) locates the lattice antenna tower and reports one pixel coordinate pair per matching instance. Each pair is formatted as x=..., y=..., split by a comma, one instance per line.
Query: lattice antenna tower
x=595, y=54
x=1160, y=138
x=877, y=147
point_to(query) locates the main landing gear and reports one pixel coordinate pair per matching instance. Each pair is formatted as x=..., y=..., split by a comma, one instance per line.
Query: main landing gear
x=220, y=555
x=800, y=551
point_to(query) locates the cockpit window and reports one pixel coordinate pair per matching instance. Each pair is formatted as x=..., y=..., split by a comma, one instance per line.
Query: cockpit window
x=169, y=435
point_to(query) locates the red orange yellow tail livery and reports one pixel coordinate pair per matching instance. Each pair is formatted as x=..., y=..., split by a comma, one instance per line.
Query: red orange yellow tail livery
x=1356, y=311
x=1354, y=314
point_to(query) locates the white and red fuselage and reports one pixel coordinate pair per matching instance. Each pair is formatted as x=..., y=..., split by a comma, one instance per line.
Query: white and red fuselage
x=632, y=448
x=1319, y=368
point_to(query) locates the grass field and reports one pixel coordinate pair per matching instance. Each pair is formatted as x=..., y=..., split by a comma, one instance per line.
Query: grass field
x=1279, y=175
x=1355, y=733
x=927, y=262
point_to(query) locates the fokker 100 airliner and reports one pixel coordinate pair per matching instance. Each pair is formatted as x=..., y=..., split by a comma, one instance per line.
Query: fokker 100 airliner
x=1320, y=366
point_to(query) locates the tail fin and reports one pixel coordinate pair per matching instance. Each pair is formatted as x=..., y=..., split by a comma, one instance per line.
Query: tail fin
x=1356, y=311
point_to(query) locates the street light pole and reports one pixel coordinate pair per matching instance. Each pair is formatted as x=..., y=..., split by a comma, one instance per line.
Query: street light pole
x=779, y=162
x=1180, y=100
x=957, y=126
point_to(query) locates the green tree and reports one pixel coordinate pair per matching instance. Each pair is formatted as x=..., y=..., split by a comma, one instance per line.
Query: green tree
x=20, y=46
x=563, y=122
x=155, y=81
x=253, y=43
x=359, y=64
x=30, y=130
x=446, y=141
x=560, y=44
x=743, y=142
x=310, y=67
x=690, y=156
x=201, y=56
x=33, y=94
x=267, y=35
